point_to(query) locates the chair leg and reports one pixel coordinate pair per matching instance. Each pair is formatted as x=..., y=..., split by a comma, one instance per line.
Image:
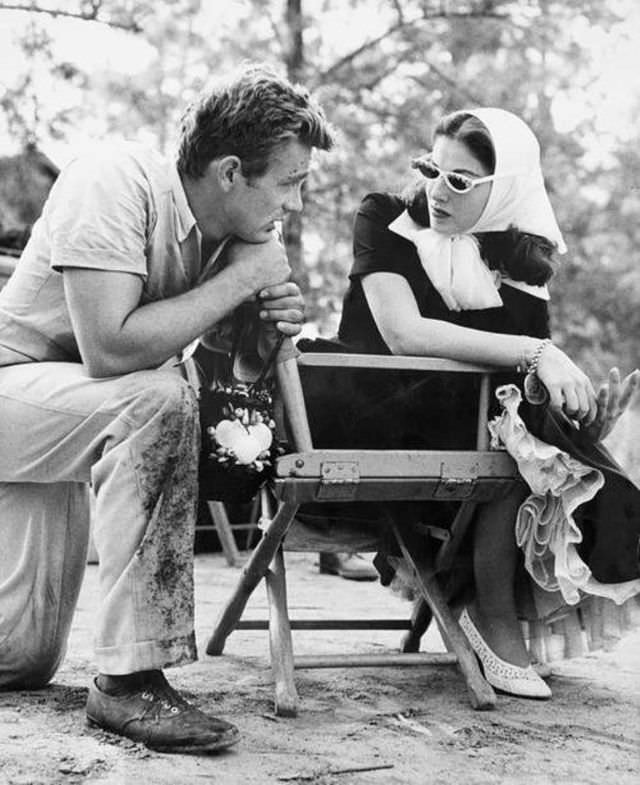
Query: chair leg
x=225, y=532
x=480, y=691
x=280, y=642
x=449, y=549
x=251, y=575
x=420, y=620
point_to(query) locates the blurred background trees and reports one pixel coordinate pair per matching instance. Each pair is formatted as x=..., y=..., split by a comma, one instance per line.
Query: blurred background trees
x=384, y=70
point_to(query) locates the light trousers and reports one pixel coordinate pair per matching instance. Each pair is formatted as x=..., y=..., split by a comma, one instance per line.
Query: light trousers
x=135, y=441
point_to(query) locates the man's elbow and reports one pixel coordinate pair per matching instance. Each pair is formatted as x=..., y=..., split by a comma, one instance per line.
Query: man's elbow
x=101, y=368
x=103, y=364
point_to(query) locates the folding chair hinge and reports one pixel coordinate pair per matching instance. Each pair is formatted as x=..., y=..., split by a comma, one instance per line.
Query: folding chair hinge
x=455, y=487
x=338, y=480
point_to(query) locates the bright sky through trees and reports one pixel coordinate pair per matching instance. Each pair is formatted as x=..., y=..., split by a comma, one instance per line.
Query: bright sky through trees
x=612, y=94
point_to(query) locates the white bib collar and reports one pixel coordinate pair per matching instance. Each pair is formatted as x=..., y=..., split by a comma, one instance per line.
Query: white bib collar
x=455, y=268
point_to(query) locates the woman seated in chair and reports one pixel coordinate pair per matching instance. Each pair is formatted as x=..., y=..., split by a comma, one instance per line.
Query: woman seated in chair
x=456, y=268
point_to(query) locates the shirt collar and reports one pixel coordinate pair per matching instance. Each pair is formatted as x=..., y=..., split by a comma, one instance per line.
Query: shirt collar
x=185, y=218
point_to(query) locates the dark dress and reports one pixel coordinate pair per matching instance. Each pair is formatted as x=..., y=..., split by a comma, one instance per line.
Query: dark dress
x=367, y=409
x=405, y=411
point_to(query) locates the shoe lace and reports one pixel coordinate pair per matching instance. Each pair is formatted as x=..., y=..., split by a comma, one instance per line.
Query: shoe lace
x=161, y=696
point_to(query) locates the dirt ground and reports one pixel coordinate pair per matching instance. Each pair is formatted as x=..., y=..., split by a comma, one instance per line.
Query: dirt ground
x=359, y=726
x=355, y=727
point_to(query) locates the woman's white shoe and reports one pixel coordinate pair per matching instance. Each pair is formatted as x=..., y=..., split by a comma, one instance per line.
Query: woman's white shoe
x=523, y=682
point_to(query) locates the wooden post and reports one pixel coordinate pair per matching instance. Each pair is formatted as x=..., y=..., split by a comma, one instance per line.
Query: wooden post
x=280, y=642
x=290, y=389
x=480, y=691
x=224, y=531
x=250, y=577
x=482, y=438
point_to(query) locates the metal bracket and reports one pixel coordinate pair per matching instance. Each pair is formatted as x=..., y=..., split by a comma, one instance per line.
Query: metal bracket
x=338, y=480
x=455, y=487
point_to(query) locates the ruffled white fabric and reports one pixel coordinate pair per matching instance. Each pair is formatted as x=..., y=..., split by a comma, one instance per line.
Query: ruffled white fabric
x=519, y=198
x=546, y=530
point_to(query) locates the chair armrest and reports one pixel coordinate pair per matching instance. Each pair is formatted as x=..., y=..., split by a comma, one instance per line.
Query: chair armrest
x=392, y=362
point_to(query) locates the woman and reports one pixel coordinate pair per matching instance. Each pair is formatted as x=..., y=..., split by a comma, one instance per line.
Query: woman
x=457, y=269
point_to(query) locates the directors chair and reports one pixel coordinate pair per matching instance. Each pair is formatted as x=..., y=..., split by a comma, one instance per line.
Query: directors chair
x=317, y=477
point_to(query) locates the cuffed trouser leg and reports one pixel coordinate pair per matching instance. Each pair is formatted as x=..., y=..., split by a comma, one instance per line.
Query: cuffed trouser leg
x=146, y=491
x=136, y=438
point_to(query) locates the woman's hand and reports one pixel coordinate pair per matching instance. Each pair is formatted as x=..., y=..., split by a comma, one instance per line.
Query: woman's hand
x=613, y=398
x=569, y=388
x=283, y=305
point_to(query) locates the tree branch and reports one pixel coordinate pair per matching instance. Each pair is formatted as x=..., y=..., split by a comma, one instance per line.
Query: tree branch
x=399, y=10
x=131, y=26
x=275, y=29
x=453, y=83
x=426, y=17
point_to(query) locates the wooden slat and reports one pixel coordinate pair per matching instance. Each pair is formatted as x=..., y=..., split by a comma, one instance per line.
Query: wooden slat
x=373, y=660
x=331, y=624
x=381, y=464
x=391, y=362
x=374, y=489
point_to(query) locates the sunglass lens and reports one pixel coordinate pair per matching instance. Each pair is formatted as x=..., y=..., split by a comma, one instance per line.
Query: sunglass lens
x=459, y=182
x=428, y=170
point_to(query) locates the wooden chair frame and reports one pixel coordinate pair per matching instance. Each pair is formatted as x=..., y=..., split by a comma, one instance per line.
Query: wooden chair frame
x=317, y=475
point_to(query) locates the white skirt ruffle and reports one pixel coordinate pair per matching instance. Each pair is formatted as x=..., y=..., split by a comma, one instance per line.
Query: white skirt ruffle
x=546, y=530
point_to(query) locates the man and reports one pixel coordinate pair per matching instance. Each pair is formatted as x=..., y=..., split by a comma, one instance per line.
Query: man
x=132, y=259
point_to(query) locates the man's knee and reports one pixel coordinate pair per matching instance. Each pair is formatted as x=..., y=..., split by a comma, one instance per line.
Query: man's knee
x=32, y=666
x=166, y=396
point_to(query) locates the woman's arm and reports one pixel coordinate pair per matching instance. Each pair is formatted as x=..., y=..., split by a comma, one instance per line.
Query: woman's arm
x=405, y=331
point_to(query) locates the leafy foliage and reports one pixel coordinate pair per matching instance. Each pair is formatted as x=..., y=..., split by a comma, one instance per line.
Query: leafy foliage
x=385, y=71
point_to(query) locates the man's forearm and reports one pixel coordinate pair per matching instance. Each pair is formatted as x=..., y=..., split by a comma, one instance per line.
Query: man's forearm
x=150, y=334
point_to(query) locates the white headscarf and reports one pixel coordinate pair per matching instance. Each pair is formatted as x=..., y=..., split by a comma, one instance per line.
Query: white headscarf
x=453, y=263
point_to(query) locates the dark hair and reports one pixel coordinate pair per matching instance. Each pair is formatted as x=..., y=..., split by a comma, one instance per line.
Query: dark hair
x=249, y=114
x=473, y=133
x=521, y=256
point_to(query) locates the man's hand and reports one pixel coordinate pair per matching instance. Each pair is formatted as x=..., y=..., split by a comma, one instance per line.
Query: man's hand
x=283, y=305
x=613, y=398
x=259, y=266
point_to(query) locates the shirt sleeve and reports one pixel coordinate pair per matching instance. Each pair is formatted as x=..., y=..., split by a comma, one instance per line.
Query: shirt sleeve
x=375, y=247
x=99, y=214
x=525, y=314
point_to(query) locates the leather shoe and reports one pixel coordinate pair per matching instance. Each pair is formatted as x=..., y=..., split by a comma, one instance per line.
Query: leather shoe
x=159, y=717
x=512, y=679
x=352, y=566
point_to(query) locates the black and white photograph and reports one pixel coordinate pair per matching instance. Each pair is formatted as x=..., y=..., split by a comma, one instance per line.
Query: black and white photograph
x=320, y=392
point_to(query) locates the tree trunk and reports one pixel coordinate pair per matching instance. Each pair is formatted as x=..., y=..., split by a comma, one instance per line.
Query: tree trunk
x=294, y=59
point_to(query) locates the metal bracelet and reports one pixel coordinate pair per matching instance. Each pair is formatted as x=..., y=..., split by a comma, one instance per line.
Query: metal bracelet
x=532, y=364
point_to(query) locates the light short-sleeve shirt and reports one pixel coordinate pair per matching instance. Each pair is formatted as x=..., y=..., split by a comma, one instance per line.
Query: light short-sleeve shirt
x=122, y=208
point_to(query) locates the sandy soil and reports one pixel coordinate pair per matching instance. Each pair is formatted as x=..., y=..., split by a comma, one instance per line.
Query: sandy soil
x=355, y=727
